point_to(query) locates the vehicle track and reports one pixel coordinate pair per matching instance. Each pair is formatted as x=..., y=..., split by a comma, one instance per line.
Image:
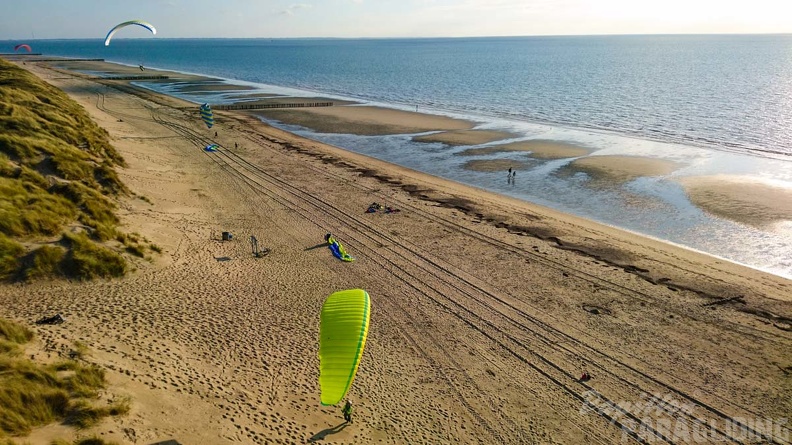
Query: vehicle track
x=585, y=344
x=246, y=174
x=558, y=382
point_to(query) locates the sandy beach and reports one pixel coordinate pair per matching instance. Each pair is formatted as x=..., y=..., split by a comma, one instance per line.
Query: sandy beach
x=485, y=309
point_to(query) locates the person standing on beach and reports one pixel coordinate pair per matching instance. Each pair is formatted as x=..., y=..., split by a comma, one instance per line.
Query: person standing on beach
x=347, y=411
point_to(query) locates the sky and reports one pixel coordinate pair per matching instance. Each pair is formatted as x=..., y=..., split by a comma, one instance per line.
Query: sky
x=70, y=19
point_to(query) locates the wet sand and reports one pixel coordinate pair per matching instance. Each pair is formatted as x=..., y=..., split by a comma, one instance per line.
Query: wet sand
x=485, y=309
x=364, y=120
x=740, y=199
x=465, y=137
x=494, y=165
x=539, y=149
x=620, y=169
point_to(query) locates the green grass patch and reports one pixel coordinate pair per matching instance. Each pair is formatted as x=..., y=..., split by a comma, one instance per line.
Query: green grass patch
x=32, y=394
x=57, y=169
x=88, y=260
x=15, y=333
x=10, y=251
x=46, y=262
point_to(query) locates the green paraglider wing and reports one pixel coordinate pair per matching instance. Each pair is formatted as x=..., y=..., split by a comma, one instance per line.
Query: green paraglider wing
x=207, y=115
x=342, y=336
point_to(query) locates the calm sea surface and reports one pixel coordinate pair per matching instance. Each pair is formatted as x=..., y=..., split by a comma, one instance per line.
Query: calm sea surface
x=730, y=91
x=715, y=104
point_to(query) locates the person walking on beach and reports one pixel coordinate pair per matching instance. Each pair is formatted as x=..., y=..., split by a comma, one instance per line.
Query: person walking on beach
x=347, y=411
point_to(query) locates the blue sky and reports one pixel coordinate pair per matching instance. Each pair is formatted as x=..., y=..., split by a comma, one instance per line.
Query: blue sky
x=48, y=19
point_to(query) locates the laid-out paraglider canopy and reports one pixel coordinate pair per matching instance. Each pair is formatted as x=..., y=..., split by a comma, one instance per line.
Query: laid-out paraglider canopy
x=115, y=29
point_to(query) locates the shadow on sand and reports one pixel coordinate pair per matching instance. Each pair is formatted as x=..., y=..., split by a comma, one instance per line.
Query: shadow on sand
x=316, y=246
x=326, y=432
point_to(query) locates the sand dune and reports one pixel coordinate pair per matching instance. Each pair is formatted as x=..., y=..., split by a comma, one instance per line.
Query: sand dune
x=485, y=309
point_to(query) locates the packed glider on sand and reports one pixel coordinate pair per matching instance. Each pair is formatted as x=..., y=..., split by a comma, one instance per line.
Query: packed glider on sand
x=23, y=45
x=115, y=29
x=337, y=249
x=207, y=115
x=212, y=147
x=343, y=329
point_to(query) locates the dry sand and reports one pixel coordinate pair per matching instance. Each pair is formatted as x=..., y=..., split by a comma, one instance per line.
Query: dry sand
x=485, y=309
x=539, y=149
x=740, y=199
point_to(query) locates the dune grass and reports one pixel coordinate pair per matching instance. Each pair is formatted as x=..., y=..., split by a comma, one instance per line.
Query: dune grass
x=57, y=177
x=32, y=394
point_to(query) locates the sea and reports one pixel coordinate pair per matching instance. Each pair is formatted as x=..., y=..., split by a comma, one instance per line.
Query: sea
x=715, y=104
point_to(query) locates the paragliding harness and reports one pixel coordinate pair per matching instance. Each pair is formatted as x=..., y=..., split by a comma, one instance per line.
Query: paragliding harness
x=347, y=411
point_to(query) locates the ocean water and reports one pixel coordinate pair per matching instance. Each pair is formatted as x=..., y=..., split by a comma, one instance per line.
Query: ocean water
x=719, y=104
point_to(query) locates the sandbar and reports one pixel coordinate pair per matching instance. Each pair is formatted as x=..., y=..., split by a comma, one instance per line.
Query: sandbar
x=539, y=149
x=740, y=199
x=621, y=169
x=364, y=120
x=494, y=165
x=201, y=87
x=465, y=137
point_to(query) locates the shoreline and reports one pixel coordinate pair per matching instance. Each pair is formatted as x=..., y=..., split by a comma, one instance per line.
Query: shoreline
x=361, y=119
x=477, y=298
x=606, y=172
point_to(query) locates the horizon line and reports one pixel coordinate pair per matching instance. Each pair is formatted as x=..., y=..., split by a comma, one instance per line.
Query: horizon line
x=422, y=37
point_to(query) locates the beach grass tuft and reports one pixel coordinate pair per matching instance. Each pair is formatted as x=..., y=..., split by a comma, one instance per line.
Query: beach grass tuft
x=32, y=394
x=57, y=171
x=88, y=260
